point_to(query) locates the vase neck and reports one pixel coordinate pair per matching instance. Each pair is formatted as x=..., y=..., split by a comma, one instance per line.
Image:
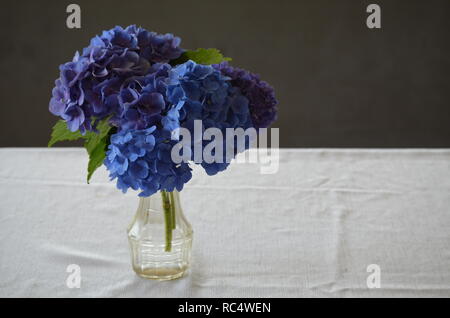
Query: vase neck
x=155, y=203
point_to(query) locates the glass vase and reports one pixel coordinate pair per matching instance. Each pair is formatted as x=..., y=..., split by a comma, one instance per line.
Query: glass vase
x=160, y=237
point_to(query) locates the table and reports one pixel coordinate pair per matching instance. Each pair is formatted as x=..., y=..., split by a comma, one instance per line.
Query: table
x=330, y=223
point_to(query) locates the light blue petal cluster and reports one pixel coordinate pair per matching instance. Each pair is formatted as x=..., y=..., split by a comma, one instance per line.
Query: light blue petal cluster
x=140, y=159
x=205, y=94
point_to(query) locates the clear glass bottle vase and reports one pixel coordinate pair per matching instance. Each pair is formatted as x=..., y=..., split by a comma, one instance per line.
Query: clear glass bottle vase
x=160, y=237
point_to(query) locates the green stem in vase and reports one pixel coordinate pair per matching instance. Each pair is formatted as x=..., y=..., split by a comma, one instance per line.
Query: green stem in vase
x=172, y=210
x=168, y=219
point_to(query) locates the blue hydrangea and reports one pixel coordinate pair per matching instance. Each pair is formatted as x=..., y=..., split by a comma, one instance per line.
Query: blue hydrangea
x=205, y=94
x=141, y=160
x=88, y=85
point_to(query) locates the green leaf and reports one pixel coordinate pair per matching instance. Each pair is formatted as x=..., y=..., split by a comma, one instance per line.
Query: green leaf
x=202, y=56
x=96, y=146
x=95, y=143
x=93, y=138
x=97, y=153
x=60, y=133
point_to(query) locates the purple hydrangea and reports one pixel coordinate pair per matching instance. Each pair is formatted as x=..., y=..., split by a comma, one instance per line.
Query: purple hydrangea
x=261, y=96
x=150, y=46
x=141, y=160
x=141, y=100
x=88, y=85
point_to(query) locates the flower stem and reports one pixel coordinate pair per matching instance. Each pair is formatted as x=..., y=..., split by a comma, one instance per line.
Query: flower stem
x=168, y=219
x=172, y=210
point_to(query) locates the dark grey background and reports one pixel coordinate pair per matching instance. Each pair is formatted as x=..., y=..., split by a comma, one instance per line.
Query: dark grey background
x=339, y=83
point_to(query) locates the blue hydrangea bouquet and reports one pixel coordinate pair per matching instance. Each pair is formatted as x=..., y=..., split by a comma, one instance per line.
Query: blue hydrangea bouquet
x=131, y=89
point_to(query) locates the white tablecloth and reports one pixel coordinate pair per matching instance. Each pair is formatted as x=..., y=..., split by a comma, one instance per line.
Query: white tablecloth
x=312, y=229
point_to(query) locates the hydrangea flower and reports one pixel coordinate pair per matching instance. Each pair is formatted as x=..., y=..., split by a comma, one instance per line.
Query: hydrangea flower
x=141, y=160
x=261, y=96
x=124, y=75
x=141, y=100
x=88, y=85
x=205, y=94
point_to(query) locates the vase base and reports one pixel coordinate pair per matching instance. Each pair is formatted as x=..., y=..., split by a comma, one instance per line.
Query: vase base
x=160, y=274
